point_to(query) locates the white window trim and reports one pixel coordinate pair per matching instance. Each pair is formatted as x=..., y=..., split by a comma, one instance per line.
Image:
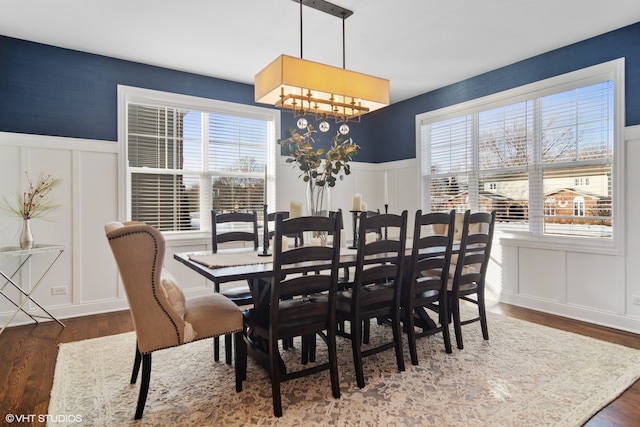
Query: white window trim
x=128, y=95
x=611, y=70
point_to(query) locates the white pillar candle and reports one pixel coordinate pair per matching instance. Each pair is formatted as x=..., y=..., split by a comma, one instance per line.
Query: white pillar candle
x=295, y=209
x=386, y=190
x=363, y=206
x=316, y=241
x=357, y=200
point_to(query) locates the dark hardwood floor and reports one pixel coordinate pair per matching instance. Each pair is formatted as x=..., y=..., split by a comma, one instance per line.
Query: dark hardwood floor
x=28, y=357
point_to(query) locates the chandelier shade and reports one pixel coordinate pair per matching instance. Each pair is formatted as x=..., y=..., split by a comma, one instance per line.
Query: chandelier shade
x=307, y=87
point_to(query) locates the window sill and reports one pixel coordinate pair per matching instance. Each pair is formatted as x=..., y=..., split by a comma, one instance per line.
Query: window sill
x=575, y=244
x=187, y=238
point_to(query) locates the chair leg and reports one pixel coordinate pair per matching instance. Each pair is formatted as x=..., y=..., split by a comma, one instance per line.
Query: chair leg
x=308, y=349
x=356, y=340
x=136, y=365
x=332, y=348
x=305, y=350
x=411, y=335
x=274, y=368
x=483, y=316
x=287, y=343
x=312, y=348
x=241, y=359
x=444, y=322
x=227, y=348
x=397, y=337
x=144, y=386
x=457, y=326
x=366, y=328
x=216, y=348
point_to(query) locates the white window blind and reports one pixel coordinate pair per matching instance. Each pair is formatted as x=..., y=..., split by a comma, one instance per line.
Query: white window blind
x=185, y=162
x=237, y=157
x=544, y=163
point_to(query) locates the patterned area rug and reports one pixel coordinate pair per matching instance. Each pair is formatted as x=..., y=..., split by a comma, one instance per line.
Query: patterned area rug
x=525, y=375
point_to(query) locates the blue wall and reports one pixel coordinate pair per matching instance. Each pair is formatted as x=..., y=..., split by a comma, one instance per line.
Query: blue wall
x=47, y=90
x=395, y=125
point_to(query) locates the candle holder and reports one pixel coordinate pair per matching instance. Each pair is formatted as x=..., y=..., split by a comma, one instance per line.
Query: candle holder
x=265, y=234
x=355, y=215
x=386, y=211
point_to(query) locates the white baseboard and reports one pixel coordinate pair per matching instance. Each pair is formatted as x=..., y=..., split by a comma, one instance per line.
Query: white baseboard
x=585, y=314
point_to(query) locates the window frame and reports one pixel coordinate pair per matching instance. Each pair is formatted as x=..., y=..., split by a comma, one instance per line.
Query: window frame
x=534, y=237
x=133, y=95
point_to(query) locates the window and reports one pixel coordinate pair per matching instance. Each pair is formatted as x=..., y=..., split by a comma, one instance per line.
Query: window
x=544, y=156
x=186, y=156
x=578, y=206
x=581, y=182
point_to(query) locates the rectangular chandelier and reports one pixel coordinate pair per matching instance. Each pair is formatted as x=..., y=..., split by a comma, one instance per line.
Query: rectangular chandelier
x=307, y=87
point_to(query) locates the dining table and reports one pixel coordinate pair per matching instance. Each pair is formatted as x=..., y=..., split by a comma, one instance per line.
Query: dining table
x=251, y=265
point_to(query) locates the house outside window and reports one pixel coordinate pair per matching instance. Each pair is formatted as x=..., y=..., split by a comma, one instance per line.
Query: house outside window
x=186, y=156
x=545, y=156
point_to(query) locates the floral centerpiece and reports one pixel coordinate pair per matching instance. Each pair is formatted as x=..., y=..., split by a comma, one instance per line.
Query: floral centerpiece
x=32, y=204
x=319, y=169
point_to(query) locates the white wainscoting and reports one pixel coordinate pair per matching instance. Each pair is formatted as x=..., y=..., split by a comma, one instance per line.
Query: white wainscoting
x=89, y=199
x=595, y=288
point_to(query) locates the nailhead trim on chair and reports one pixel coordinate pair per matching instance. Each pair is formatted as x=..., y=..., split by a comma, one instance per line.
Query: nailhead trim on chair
x=163, y=309
x=155, y=296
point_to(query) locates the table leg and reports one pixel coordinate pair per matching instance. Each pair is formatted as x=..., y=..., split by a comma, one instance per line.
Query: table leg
x=27, y=295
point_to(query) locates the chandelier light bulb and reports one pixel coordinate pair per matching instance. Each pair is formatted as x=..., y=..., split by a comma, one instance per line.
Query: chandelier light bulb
x=344, y=129
x=324, y=126
x=302, y=123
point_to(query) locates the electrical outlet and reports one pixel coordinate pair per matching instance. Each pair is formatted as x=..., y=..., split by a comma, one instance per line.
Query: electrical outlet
x=58, y=290
x=636, y=299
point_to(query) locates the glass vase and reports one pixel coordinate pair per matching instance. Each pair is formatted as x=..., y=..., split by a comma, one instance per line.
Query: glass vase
x=318, y=200
x=26, y=238
x=318, y=204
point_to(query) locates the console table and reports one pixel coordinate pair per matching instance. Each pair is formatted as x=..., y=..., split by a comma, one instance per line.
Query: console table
x=25, y=255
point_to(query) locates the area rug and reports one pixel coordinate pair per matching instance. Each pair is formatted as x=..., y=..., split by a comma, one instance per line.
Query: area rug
x=525, y=375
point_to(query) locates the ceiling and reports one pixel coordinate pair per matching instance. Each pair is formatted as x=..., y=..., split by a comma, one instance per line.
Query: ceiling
x=419, y=45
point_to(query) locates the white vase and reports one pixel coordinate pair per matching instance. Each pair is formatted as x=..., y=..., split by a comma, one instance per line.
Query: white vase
x=26, y=238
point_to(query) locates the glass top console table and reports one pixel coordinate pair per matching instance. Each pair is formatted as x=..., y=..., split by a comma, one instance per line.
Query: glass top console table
x=25, y=255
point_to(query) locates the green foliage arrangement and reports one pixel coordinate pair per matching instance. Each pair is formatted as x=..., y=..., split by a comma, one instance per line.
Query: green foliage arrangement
x=319, y=168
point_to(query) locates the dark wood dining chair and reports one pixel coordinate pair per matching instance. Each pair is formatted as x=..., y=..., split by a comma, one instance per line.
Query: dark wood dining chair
x=425, y=287
x=298, y=239
x=348, y=272
x=372, y=229
x=375, y=292
x=468, y=281
x=298, y=305
x=241, y=227
x=238, y=227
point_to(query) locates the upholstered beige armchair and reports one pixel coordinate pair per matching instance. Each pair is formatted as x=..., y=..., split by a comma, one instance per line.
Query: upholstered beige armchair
x=162, y=317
